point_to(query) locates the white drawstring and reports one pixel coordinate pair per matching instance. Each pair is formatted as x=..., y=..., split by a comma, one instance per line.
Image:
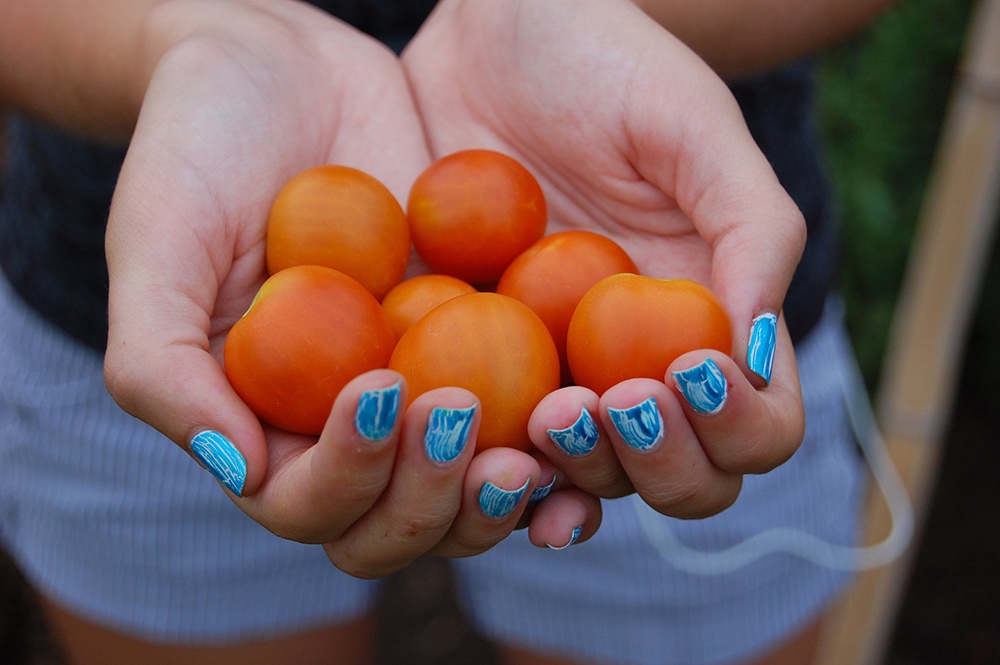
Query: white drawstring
x=795, y=541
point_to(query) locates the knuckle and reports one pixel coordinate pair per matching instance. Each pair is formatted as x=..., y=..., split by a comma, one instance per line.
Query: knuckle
x=363, y=567
x=471, y=544
x=418, y=527
x=610, y=484
x=756, y=454
x=695, y=498
x=294, y=531
x=121, y=380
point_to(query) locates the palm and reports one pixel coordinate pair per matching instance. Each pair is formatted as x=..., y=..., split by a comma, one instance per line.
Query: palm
x=291, y=115
x=573, y=112
x=211, y=149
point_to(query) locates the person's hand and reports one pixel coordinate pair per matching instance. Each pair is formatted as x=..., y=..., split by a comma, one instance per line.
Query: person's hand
x=632, y=135
x=243, y=98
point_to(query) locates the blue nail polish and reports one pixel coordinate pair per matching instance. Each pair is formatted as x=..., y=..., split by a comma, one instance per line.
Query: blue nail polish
x=377, y=411
x=640, y=426
x=575, y=536
x=221, y=458
x=703, y=386
x=760, y=349
x=447, y=433
x=577, y=439
x=497, y=502
x=542, y=491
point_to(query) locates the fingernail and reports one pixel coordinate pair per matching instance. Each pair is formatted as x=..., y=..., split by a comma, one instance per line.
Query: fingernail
x=640, y=426
x=447, y=433
x=540, y=493
x=760, y=348
x=221, y=458
x=703, y=386
x=575, y=536
x=577, y=439
x=377, y=411
x=497, y=502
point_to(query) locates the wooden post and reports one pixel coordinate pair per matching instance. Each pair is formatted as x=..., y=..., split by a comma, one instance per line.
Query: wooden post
x=926, y=346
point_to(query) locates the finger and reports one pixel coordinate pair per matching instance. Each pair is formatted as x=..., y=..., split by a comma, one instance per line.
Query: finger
x=565, y=427
x=660, y=452
x=316, y=489
x=757, y=235
x=498, y=485
x=170, y=286
x=551, y=480
x=566, y=517
x=172, y=381
x=742, y=429
x=425, y=493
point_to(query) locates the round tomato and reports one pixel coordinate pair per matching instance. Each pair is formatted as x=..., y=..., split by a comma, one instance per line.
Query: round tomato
x=491, y=345
x=308, y=332
x=472, y=212
x=630, y=326
x=412, y=298
x=342, y=218
x=553, y=275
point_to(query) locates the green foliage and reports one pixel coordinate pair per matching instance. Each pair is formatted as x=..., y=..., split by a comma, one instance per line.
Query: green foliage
x=883, y=97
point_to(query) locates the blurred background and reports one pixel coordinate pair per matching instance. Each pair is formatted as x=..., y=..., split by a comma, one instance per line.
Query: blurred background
x=884, y=96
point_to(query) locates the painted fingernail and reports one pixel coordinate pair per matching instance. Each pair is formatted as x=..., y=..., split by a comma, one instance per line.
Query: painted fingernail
x=640, y=426
x=577, y=439
x=542, y=491
x=377, y=411
x=497, y=502
x=703, y=386
x=221, y=458
x=575, y=536
x=760, y=349
x=447, y=433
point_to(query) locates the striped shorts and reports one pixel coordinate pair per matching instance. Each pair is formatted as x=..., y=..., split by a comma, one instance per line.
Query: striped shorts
x=109, y=518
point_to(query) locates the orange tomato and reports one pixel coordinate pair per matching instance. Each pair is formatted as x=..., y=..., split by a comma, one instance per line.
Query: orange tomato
x=553, y=275
x=342, y=218
x=630, y=326
x=309, y=330
x=472, y=212
x=489, y=344
x=409, y=300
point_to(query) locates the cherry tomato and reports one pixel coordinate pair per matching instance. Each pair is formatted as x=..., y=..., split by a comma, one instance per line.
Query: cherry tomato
x=472, y=212
x=630, y=326
x=553, y=275
x=489, y=344
x=342, y=218
x=409, y=300
x=308, y=332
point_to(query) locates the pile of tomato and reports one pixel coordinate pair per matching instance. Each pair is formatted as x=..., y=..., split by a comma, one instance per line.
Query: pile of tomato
x=507, y=312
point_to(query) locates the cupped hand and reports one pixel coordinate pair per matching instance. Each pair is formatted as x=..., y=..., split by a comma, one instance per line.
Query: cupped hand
x=244, y=96
x=632, y=135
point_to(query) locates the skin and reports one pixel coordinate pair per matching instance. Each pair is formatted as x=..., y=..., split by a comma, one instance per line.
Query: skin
x=186, y=253
x=612, y=155
x=671, y=173
x=646, y=172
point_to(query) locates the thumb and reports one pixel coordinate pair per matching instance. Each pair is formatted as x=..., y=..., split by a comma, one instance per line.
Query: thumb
x=181, y=391
x=757, y=235
x=165, y=331
x=702, y=153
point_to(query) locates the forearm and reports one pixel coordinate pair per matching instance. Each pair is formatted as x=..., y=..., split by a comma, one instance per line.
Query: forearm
x=740, y=37
x=87, y=66
x=83, y=67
